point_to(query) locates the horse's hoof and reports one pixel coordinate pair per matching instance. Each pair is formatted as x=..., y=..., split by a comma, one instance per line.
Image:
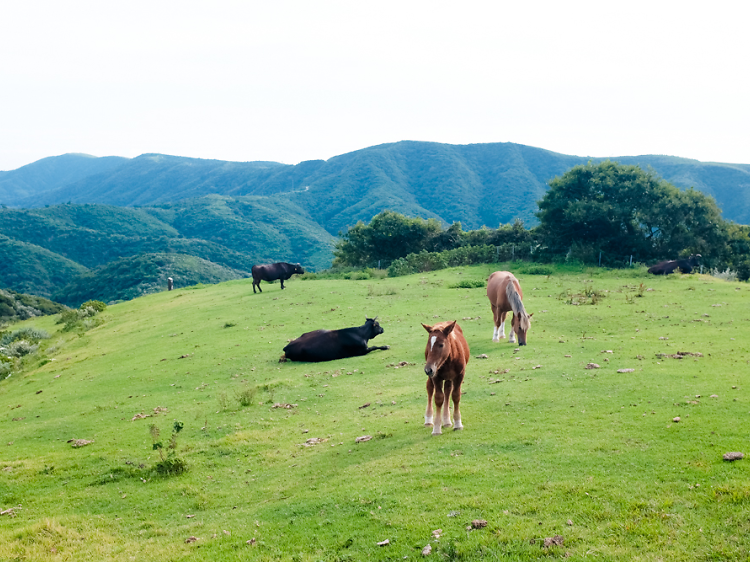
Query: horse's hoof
x=438, y=433
x=387, y=346
x=457, y=428
x=496, y=339
x=427, y=424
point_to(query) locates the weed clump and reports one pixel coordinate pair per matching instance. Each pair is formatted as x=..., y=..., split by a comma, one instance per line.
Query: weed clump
x=727, y=275
x=169, y=464
x=246, y=396
x=468, y=284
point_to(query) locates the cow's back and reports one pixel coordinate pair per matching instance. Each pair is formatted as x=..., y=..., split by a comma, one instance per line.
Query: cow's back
x=319, y=345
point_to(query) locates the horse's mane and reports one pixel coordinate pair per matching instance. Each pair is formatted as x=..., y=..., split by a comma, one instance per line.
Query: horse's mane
x=516, y=304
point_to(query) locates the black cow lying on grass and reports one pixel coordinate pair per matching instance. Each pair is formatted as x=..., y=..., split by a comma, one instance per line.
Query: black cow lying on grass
x=274, y=271
x=326, y=345
x=667, y=267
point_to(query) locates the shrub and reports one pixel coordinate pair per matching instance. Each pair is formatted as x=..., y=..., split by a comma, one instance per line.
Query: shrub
x=20, y=348
x=743, y=271
x=29, y=333
x=5, y=369
x=98, y=306
x=536, y=269
x=467, y=284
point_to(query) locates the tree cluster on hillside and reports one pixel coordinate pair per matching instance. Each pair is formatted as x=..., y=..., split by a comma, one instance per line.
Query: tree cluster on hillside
x=622, y=211
x=390, y=236
x=606, y=211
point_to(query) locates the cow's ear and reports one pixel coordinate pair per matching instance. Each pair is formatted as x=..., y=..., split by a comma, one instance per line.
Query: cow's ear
x=426, y=327
x=449, y=328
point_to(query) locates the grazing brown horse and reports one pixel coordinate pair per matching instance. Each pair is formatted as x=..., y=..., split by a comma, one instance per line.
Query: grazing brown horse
x=505, y=295
x=446, y=356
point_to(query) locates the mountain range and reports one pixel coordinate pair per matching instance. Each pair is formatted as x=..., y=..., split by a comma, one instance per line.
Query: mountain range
x=476, y=184
x=73, y=221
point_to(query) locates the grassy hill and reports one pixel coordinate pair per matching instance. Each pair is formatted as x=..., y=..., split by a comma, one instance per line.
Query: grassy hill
x=549, y=447
x=477, y=184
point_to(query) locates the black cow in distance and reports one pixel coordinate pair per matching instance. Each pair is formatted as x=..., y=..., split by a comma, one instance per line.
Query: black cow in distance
x=327, y=345
x=274, y=271
x=667, y=267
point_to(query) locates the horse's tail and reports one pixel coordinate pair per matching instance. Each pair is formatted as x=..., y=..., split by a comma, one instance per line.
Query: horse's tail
x=516, y=304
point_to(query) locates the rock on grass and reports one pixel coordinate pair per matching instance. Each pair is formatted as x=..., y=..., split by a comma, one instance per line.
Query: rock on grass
x=733, y=456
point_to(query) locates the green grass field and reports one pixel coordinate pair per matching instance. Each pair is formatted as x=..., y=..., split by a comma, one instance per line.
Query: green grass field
x=549, y=447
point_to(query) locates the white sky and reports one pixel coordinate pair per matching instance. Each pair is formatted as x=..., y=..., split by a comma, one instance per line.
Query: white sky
x=298, y=80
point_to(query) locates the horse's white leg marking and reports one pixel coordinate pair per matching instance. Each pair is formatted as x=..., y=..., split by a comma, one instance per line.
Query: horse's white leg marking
x=457, y=418
x=494, y=334
x=501, y=331
x=512, y=338
x=447, y=411
x=437, y=427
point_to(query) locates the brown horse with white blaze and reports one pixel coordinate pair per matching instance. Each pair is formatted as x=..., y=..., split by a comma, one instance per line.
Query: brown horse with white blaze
x=446, y=356
x=504, y=292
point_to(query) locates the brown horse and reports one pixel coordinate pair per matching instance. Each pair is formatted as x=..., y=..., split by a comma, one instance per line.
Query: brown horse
x=504, y=292
x=446, y=356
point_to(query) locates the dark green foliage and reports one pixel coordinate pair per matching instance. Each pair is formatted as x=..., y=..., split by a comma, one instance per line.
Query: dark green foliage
x=127, y=278
x=621, y=211
x=17, y=306
x=388, y=236
x=431, y=261
x=743, y=270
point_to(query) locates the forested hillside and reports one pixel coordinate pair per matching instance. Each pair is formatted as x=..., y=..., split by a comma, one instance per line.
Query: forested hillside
x=46, y=249
x=477, y=184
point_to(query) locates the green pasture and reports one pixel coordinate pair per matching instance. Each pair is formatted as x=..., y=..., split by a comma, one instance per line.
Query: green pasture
x=549, y=446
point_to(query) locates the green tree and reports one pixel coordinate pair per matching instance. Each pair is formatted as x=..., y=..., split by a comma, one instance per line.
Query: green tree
x=623, y=210
x=389, y=236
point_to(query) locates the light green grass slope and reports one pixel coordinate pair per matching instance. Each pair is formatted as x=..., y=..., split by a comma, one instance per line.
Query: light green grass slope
x=550, y=448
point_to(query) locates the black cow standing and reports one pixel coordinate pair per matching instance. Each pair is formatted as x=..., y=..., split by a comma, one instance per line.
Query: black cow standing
x=667, y=267
x=327, y=345
x=274, y=271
